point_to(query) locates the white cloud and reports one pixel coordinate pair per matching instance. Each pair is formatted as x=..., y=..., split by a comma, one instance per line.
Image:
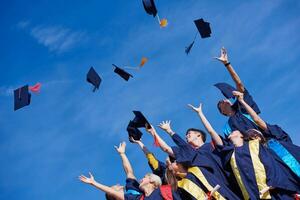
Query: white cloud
x=56, y=38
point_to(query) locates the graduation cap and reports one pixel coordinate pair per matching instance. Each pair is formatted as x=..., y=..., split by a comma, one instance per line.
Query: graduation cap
x=121, y=72
x=140, y=120
x=22, y=96
x=142, y=63
x=150, y=8
x=226, y=89
x=133, y=131
x=93, y=78
x=204, y=30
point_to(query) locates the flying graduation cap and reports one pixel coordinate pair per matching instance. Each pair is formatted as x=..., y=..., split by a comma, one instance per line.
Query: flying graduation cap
x=139, y=121
x=121, y=72
x=204, y=30
x=93, y=78
x=142, y=63
x=22, y=96
x=150, y=8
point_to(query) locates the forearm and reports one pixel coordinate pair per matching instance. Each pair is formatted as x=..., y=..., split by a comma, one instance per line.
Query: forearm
x=236, y=78
x=163, y=145
x=256, y=118
x=127, y=166
x=116, y=194
x=214, y=135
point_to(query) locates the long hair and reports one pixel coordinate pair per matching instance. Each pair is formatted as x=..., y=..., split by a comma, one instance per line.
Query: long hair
x=171, y=179
x=253, y=133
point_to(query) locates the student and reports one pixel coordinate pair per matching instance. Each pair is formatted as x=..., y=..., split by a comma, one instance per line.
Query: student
x=258, y=173
x=238, y=118
x=147, y=189
x=276, y=138
x=177, y=174
x=200, y=167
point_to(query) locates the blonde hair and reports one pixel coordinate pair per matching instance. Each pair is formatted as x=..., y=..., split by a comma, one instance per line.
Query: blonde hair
x=154, y=179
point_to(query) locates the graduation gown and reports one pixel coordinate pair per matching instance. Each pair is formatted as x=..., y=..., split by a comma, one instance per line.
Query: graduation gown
x=155, y=195
x=189, y=188
x=281, y=144
x=241, y=120
x=255, y=168
x=203, y=167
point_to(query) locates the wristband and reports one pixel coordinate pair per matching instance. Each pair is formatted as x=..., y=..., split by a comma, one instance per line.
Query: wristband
x=226, y=64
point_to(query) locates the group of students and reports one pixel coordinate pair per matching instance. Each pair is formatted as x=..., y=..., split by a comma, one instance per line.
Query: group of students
x=253, y=160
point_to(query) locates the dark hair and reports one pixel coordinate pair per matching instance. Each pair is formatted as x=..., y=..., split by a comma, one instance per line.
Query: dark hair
x=251, y=133
x=203, y=134
x=219, y=106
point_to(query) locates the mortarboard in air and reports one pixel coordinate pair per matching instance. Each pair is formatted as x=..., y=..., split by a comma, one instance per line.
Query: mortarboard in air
x=133, y=131
x=150, y=8
x=121, y=72
x=22, y=96
x=226, y=89
x=93, y=78
x=140, y=120
x=142, y=63
x=204, y=30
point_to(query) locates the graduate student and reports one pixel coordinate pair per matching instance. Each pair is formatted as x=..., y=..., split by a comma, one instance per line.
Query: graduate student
x=176, y=173
x=258, y=173
x=201, y=168
x=275, y=138
x=238, y=118
x=148, y=188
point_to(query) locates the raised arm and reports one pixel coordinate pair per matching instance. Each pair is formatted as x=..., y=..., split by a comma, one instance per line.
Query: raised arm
x=214, y=135
x=163, y=145
x=126, y=164
x=256, y=118
x=224, y=59
x=158, y=168
x=119, y=195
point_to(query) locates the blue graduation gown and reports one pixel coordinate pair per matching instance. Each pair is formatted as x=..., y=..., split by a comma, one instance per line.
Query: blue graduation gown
x=277, y=175
x=207, y=162
x=281, y=144
x=240, y=121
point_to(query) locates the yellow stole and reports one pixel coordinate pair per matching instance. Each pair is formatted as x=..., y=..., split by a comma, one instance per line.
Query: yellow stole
x=259, y=171
x=197, y=173
x=193, y=189
x=152, y=160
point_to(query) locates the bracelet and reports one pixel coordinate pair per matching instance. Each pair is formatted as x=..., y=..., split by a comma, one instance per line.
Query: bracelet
x=226, y=64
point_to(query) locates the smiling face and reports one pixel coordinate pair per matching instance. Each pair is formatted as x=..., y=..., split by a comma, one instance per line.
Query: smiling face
x=225, y=107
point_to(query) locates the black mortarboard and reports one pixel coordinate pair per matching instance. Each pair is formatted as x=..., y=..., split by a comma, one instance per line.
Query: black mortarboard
x=203, y=28
x=150, y=7
x=93, y=78
x=133, y=131
x=125, y=75
x=140, y=120
x=226, y=89
x=21, y=97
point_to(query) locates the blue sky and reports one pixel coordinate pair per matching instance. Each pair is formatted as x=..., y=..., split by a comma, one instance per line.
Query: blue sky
x=68, y=130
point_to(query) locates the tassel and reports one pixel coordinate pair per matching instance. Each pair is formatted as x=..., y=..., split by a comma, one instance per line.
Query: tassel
x=35, y=88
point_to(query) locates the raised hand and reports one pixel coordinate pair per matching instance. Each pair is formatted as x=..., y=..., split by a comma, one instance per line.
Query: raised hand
x=166, y=126
x=223, y=57
x=238, y=95
x=87, y=180
x=121, y=148
x=196, y=109
x=134, y=141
